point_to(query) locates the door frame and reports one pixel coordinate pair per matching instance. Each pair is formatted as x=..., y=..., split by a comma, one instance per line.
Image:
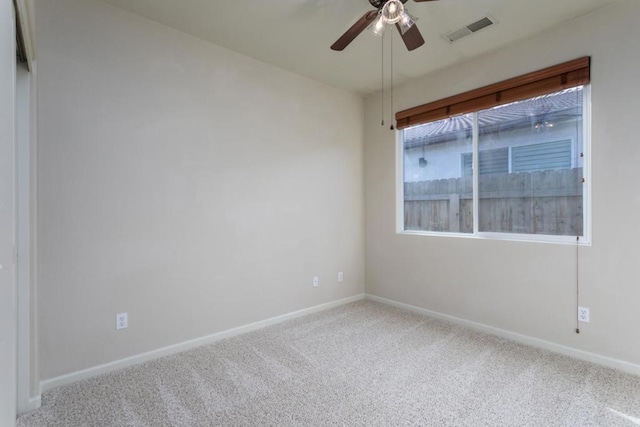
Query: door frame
x=25, y=149
x=8, y=284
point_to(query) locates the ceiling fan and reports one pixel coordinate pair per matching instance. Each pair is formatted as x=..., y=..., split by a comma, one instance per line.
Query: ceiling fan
x=387, y=12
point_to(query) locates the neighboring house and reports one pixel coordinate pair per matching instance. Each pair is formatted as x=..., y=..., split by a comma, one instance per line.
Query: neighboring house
x=543, y=133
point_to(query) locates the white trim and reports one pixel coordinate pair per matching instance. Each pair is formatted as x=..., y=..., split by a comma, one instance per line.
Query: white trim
x=532, y=238
x=34, y=369
x=8, y=218
x=187, y=345
x=475, y=172
x=505, y=237
x=609, y=362
x=400, y=181
x=23, y=233
x=586, y=163
x=34, y=403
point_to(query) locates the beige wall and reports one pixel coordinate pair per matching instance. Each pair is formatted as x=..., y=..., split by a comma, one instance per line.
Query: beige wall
x=194, y=188
x=527, y=288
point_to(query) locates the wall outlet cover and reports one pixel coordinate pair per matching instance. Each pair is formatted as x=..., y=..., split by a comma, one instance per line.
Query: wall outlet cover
x=122, y=321
x=583, y=314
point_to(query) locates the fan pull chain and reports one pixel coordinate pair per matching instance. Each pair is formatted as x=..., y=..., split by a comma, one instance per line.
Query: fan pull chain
x=392, y=127
x=382, y=99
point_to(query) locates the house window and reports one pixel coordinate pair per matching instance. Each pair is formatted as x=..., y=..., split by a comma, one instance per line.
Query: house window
x=489, y=161
x=525, y=158
x=539, y=157
x=531, y=169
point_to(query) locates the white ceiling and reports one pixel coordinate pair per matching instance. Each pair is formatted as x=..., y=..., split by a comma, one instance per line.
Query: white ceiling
x=296, y=34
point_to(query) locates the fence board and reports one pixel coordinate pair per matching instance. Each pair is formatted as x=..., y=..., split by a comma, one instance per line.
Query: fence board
x=541, y=202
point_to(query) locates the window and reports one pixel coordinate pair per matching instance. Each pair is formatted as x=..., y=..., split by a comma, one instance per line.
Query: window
x=489, y=161
x=525, y=158
x=531, y=170
x=540, y=157
x=438, y=196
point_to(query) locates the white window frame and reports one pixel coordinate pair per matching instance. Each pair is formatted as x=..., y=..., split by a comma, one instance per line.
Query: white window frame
x=545, y=238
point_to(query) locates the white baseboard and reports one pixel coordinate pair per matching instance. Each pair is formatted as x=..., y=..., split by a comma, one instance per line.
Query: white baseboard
x=609, y=362
x=34, y=403
x=186, y=345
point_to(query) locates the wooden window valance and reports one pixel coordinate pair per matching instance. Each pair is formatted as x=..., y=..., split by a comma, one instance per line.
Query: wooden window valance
x=553, y=79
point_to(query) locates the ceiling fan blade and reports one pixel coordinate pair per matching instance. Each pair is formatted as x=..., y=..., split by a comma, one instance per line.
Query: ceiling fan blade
x=355, y=29
x=412, y=37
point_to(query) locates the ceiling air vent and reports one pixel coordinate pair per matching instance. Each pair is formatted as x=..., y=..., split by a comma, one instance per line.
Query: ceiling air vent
x=474, y=27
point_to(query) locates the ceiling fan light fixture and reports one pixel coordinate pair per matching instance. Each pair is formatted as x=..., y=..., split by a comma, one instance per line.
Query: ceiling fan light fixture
x=392, y=11
x=406, y=22
x=378, y=26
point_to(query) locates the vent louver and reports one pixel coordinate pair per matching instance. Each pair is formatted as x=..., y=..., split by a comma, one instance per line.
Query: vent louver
x=465, y=31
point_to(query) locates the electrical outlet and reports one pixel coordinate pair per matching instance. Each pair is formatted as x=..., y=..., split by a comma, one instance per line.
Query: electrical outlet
x=583, y=314
x=122, y=321
x=316, y=281
x=340, y=277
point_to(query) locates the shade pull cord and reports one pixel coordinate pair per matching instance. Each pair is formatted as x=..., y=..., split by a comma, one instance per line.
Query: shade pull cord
x=577, y=312
x=382, y=99
x=392, y=127
x=577, y=286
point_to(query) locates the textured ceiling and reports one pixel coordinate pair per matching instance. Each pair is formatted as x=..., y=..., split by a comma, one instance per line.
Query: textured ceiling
x=296, y=34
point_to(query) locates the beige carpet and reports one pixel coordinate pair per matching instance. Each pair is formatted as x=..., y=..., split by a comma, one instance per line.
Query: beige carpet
x=363, y=364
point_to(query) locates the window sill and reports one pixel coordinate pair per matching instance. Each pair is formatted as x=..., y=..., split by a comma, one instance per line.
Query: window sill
x=510, y=237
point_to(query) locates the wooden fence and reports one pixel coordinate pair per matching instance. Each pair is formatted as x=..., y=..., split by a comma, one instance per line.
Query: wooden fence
x=546, y=202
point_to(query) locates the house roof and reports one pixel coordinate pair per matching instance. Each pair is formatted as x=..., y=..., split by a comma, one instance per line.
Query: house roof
x=546, y=108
